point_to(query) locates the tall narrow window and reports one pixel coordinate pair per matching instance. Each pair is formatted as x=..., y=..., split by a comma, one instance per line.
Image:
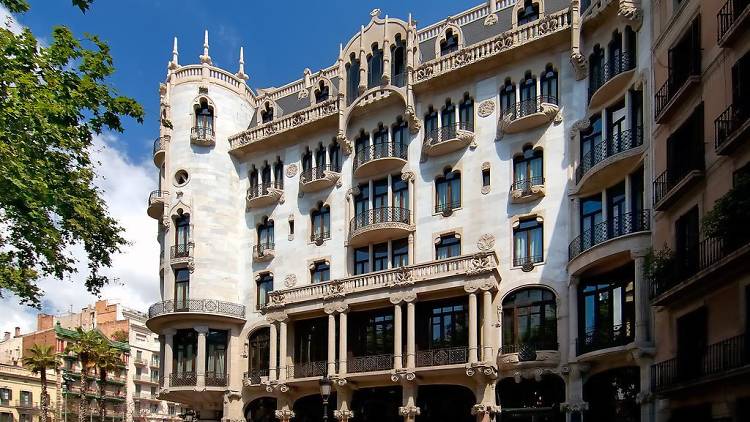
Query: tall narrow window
x=334, y=152
x=320, y=272
x=687, y=235
x=374, y=67
x=380, y=256
x=362, y=203
x=264, y=287
x=400, y=253
x=321, y=223
x=528, y=95
x=616, y=226
x=185, y=351
x=266, y=115
x=607, y=310
x=448, y=114
x=449, y=44
x=362, y=148
x=528, y=243
x=400, y=131
x=181, y=289
x=549, y=85
x=400, y=199
x=352, y=79
x=320, y=156
x=398, y=62
x=204, y=119
x=259, y=354
x=321, y=93
x=528, y=169
x=448, y=246
x=466, y=113
x=265, y=235
x=507, y=96
x=448, y=191
x=529, y=13
x=182, y=236
x=591, y=140
x=380, y=145
x=615, y=55
x=254, y=179
x=596, y=69
x=216, y=357
x=278, y=173
x=591, y=218
x=307, y=160
x=362, y=260
x=265, y=175
x=430, y=120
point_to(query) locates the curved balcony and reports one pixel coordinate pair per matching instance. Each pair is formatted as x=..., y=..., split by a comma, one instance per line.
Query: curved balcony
x=602, y=338
x=379, y=158
x=612, y=79
x=318, y=178
x=157, y=200
x=255, y=376
x=609, y=160
x=264, y=194
x=181, y=255
x=447, y=139
x=603, y=233
x=203, y=136
x=527, y=190
x=160, y=148
x=161, y=314
x=379, y=224
x=263, y=252
x=529, y=114
x=532, y=354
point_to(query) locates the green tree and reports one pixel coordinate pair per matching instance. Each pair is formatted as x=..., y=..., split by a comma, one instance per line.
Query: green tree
x=108, y=359
x=54, y=99
x=85, y=347
x=727, y=220
x=38, y=359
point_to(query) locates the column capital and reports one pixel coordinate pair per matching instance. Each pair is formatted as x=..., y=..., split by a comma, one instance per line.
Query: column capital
x=574, y=406
x=485, y=409
x=343, y=415
x=484, y=285
x=403, y=296
x=284, y=415
x=201, y=329
x=403, y=374
x=277, y=316
x=409, y=411
x=336, y=306
x=486, y=369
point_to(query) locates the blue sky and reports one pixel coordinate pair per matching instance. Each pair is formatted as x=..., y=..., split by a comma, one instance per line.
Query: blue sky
x=280, y=38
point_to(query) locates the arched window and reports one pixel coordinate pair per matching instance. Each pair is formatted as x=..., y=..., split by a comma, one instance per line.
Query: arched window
x=362, y=148
x=321, y=223
x=448, y=114
x=266, y=115
x=529, y=13
x=398, y=62
x=529, y=321
x=450, y=43
x=264, y=287
x=321, y=94
x=320, y=156
x=380, y=143
x=307, y=160
x=204, y=119
x=352, y=79
x=262, y=409
x=430, y=120
x=400, y=135
x=528, y=92
x=591, y=140
x=265, y=235
x=448, y=246
x=448, y=191
x=549, y=85
x=181, y=235
x=507, y=96
x=278, y=173
x=528, y=242
x=265, y=178
x=466, y=112
x=374, y=67
x=596, y=69
x=528, y=169
x=615, y=54
x=334, y=152
x=259, y=353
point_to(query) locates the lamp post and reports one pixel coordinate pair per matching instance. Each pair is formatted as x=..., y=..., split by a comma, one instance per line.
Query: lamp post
x=325, y=393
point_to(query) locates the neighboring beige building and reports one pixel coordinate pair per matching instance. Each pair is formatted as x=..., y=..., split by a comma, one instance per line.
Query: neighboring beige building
x=701, y=70
x=21, y=392
x=448, y=223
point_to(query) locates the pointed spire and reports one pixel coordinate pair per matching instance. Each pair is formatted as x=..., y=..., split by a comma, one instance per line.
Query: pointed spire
x=241, y=73
x=205, y=58
x=174, y=64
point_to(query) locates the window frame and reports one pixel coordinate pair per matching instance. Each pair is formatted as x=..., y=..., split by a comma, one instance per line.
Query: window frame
x=448, y=244
x=528, y=232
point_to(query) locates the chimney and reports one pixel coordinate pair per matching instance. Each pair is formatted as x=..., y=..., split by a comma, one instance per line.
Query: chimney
x=44, y=322
x=18, y=332
x=6, y=337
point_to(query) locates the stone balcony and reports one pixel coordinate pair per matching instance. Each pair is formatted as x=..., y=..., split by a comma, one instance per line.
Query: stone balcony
x=156, y=203
x=203, y=136
x=379, y=159
x=264, y=194
x=528, y=355
x=447, y=139
x=263, y=252
x=527, y=190
x=379, y=224
x=160, y=148
x=315, y=179
x=162, y=314
x=529, y=114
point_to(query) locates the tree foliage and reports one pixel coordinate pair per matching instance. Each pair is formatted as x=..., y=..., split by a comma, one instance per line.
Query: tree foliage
x=53, y=100
x=727, y=220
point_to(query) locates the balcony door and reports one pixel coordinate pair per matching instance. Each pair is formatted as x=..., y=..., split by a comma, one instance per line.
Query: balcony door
x=616, y=125
x=687, y=232
x=181, y=235
x=182, y=289
x=590, y=141
x=617, y=225
x=371, y=333
x=186, y=349
x=380, y=200
x=607, y=311
x=310, y=347
x=216, y=355
x=591, y=219
x=692, y=339
x=444, y=325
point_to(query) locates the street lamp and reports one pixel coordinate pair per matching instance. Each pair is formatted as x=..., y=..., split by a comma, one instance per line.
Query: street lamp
x=325, y=393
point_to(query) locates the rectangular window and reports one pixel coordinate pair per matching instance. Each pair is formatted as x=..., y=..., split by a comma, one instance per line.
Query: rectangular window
x=6, y=417
x=591, y=218
x=362, y=260
x=380, y=256
x=528, y=243
x=400, y=252
x=182, y=289
x=692, y=339
x=371, y=333
x=171, y=410
x=486, y=177
x=216, y=354
x=26, y=398
x=265, y=286
x=443, y=324
x=321, y=272
x=616, y=225
x=6, y=395
x=687, y=233
x=448, y=246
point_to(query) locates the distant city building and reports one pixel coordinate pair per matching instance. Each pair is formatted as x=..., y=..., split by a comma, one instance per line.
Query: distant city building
x=21, y=392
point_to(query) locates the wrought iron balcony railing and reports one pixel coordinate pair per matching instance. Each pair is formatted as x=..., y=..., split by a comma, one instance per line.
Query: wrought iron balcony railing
x=308, y=369
x=715, y=360
x=254, y=376
x=264, y=188
x=262, y=248
x=157, y=195
x=728, y=122
x=202, y=133
x=317, y=172
x=210, y=306
x=678, y=76
x=447, y=207
x=598, y=76
x=180, y=250
x=183, y=379
x=442, y=356
x=318, y=236
x=691, y=160
x=528, y=107
x=380, y=215
x=527, y=351
x=447, y=133
x=728, y=15
x=398, y=79
x=524, y=185
x=216, y=379
x=520, y=261
x=159, y=144
x=605, y=337
x=614, y=144
x=632, y=222
x=370, y=363
x=381, y=150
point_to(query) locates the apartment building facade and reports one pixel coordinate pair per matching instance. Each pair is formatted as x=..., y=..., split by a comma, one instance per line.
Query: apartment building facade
x=700, y=161
x=449, y=223
x=21, y=393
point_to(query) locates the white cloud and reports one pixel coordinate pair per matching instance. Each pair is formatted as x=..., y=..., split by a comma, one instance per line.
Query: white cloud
x=126, y=186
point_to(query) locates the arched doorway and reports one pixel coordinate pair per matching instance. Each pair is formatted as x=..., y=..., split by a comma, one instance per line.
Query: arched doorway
x=378, y=404
x=531, y=400
x=611, y=395
x=445, y=403
x=310, y=408
x=261, y=410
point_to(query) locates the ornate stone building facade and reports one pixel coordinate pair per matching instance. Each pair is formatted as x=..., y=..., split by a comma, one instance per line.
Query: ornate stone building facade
x=448, y=223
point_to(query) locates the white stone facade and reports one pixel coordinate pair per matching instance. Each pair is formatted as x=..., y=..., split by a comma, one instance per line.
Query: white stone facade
x=224, y=264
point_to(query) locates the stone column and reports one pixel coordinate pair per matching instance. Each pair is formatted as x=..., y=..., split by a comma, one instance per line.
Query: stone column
x=409, y=410
x=331, y=344
x=410, y=335
x=411, y=258
x=473, y=343
x=273, y=352
x=487, y=349
x=342, y=343
x=397, y=337
x=200, y=359
x=642, y=304
x=572, y=317
x=283, y=359
x=168, y=356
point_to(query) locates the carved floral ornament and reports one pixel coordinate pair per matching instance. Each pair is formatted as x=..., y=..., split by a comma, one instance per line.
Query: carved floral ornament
x=336, y=306
x=403, y=374
x=485, y=409
x=487, y=284
x=485, y=369
x=291, y=170
x=486, y=107
x=290, y=280
x=486, y=242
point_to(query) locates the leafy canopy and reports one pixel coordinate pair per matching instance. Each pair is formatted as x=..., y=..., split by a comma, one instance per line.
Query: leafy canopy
x=53, y=100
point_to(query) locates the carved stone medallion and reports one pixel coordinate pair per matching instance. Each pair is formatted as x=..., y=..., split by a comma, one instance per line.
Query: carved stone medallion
x=290, y=280
x=291, y=170
x=486, y=242
x=486, y=108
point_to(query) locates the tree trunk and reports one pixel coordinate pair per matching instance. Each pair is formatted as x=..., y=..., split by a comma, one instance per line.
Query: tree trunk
x=102, y=377
x=44, y=400
x=82, y=400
